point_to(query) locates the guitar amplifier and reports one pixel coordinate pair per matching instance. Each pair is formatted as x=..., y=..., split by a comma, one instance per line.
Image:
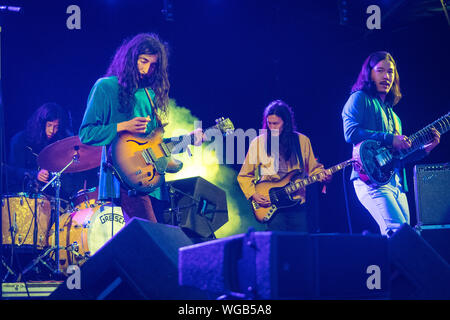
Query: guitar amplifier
x=431, y=186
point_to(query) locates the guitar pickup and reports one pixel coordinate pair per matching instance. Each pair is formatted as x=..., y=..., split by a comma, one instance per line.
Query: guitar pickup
x=383, y=158
x=149, y=156
x=165, y=149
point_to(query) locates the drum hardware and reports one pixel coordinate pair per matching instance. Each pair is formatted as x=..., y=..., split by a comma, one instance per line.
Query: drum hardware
x=85, y=198
x=56, y=184
x=23, y=216
x=85, y=231
x=69, y=150
x=75, y=250
x=23, y=228
x=35, y=262
x=9, y=269
x=90, y=155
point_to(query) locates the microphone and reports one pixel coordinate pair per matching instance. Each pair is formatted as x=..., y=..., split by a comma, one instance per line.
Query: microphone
x=10, y=8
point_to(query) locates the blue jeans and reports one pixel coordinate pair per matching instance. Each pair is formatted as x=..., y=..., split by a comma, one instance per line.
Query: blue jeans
x=387, y=204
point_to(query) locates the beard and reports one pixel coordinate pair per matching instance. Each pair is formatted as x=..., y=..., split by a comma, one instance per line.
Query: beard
x=146, y=80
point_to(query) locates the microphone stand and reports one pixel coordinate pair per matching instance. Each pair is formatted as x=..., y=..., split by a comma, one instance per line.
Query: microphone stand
x=175, y=209
x=195, y=202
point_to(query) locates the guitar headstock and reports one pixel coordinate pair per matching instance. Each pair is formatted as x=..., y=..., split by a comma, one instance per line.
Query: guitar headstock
x=224, y=125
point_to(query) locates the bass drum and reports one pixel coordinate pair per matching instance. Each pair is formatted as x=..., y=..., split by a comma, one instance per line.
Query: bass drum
x=84, y=232
x=18, y=220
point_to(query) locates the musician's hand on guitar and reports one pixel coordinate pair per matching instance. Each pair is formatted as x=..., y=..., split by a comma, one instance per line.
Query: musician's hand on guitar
x=199, y=136
x=326, y=177
x=261, y=200
x=43, y=175
x=135, y=125
x=401, y=142
x=435, y=142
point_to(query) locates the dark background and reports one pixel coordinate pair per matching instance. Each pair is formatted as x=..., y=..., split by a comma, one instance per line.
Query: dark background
x=232, y=57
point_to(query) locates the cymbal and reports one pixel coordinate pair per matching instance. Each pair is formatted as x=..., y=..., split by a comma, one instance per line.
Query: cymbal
x=57, y=155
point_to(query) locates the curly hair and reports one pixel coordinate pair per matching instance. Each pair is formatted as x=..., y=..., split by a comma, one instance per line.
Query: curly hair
x=124, y=67
x=366, y=84
x=35, y=129
x=288, y=138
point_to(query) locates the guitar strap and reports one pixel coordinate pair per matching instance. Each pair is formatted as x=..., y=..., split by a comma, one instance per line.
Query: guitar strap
x=158, y=119
x=392, y=125
x=396, y=130
x=299, y=154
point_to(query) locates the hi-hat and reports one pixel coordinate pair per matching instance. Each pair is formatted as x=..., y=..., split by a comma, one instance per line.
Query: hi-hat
x=57, y=155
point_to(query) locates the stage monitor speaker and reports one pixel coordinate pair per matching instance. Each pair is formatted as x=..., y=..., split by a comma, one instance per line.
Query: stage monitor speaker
x=431, y=186
x=139, y=262
x=200, y=206
x=419, y=272
x=288, y=265
x=439, y=239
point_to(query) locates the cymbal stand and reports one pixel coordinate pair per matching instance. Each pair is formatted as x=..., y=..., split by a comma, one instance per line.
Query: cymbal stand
x=8, y=269
x=56, y=183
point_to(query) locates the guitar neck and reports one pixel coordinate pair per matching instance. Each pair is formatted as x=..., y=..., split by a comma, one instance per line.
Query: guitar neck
x=291, y=188
x=179, y=144
x=425, y=135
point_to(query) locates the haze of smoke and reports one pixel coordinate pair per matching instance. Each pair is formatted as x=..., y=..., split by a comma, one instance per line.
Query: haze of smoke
x=203, y=163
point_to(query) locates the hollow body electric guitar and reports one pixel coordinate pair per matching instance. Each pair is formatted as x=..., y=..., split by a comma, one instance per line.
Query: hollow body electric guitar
x=375, y=163
x=141, y=162
x=281, y=192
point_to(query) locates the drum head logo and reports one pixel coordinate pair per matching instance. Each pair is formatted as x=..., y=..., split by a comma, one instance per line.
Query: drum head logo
x=116, y=218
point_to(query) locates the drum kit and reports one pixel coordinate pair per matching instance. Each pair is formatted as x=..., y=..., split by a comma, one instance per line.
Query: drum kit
x=34, y=221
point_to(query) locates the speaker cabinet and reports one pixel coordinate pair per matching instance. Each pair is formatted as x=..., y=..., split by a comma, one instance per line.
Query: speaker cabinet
x=439, y=239
x=288, y=265
x=419, y=272
x=431, y=186
x=139, y=262
x=200, y=207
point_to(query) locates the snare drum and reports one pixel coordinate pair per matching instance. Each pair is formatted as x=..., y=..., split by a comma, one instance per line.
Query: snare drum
x=83, y=199
x=18, y=219
x=83, y=232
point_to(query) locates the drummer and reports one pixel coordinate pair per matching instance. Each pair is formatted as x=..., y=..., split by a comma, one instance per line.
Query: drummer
x=49, y=123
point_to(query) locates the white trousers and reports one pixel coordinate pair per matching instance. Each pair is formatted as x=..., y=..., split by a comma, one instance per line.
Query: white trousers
x=387, y=204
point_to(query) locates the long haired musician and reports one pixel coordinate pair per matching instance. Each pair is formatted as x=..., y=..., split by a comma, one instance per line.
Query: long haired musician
x=132, y=97
x=271, y=156
x=369, y=114
x=49, y=123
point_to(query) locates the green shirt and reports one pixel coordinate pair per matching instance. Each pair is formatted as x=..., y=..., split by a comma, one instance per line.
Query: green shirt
x=99, y=128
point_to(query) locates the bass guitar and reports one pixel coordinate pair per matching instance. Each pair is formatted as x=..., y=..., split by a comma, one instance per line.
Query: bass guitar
x=375, y=163
x=281, y=193
x=140, y=162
